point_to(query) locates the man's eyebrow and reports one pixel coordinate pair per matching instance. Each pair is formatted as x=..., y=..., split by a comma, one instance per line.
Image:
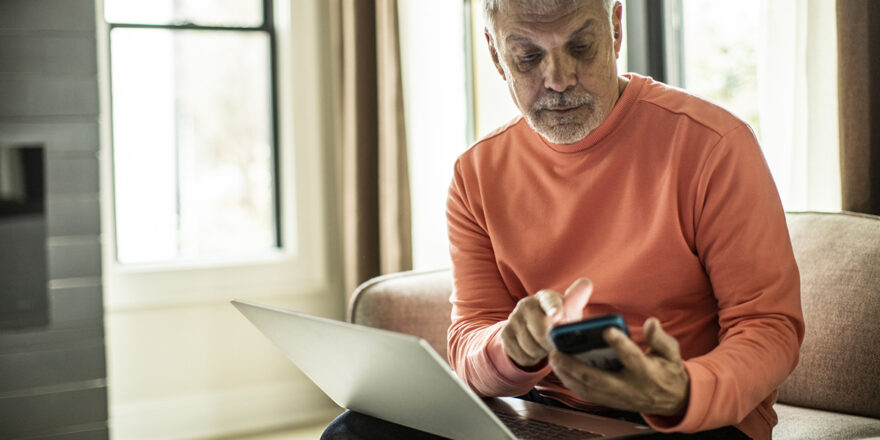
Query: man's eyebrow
x=587, y=25
x=519, y=38
x=523, y=39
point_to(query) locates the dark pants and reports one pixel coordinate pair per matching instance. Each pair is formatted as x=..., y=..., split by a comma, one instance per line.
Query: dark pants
x=351, y=425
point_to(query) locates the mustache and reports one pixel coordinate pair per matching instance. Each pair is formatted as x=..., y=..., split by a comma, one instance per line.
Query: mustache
x=553, y=100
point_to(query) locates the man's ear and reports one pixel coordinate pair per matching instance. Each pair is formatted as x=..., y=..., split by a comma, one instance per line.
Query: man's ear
x=494, y=53
x=617, y=27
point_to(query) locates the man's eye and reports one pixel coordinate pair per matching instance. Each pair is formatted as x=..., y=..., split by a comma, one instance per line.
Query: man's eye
x=530, y=58
x=581, y=47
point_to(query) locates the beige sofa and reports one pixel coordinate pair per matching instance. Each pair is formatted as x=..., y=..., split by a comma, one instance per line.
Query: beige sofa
x=834, y=393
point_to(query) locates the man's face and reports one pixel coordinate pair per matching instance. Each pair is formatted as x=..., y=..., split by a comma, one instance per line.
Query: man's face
x=560, y=66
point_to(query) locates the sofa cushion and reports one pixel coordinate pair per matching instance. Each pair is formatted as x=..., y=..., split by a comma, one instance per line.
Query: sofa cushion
x=839, y=260
x=797, y=423
x=415, y=303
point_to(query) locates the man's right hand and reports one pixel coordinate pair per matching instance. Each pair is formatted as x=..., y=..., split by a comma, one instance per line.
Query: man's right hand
x=526, y=336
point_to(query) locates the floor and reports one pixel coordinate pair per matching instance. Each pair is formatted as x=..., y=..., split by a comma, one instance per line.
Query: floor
x=312, y=432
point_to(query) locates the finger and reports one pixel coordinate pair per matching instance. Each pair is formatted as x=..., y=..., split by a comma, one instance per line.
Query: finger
x=577, y=371
x=565, y=364
x=576, y=298
x=538, y=325
x=529, y=345
x=631, y=356
x=595, y=385
x=660, y=341
x=551, y=303
x=512, y=349
x=575, y=375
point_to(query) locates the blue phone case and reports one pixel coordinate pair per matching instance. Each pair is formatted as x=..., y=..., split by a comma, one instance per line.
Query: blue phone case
x=583, y=340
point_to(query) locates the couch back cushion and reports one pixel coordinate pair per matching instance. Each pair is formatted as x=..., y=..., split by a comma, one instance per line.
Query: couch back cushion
x=415, y=303
x=839, y=260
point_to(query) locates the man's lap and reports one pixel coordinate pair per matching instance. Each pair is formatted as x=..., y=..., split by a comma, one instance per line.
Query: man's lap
x=352, y=425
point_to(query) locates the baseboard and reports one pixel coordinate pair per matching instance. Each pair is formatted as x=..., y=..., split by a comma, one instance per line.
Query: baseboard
x=222, y=413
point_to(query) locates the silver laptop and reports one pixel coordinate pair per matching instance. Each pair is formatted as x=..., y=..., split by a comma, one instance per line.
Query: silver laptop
x=400, y=378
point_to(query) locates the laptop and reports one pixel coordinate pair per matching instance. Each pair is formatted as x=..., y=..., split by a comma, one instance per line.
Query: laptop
x=400, y=378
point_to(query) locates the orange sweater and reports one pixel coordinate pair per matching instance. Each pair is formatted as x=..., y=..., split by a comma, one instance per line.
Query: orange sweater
x=669, y=207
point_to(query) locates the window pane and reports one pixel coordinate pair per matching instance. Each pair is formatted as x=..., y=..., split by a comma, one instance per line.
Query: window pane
x=202, y=12
x=493, y=106
x=192, y=143
x=721, y=41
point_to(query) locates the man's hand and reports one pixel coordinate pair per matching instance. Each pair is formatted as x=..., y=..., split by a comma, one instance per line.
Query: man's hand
x=655, y=382
x=526, y=336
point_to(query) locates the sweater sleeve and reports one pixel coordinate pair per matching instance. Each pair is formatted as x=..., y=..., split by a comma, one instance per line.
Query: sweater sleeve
x=742, y=239
x=480, y=304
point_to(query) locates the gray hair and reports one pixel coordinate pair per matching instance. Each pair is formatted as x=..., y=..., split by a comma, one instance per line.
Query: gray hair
x=491, y=8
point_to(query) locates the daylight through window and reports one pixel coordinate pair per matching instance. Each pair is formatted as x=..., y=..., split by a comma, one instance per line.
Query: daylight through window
x=193, y=129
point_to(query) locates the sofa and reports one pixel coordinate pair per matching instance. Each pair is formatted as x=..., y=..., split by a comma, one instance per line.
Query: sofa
x=834, y=393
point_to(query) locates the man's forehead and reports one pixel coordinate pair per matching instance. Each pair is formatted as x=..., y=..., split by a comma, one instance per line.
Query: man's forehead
x=523, y=24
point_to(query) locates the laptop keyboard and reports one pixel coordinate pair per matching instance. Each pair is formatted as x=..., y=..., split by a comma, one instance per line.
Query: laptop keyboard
x=527, y=429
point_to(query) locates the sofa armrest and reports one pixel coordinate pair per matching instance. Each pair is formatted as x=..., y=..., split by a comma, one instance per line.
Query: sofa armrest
x=415, y=303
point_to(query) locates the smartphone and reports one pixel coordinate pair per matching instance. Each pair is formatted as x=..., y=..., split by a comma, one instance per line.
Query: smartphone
x=583, y=340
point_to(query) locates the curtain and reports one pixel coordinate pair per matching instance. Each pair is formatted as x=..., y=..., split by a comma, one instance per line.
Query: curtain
x=797, y=80
x=858, y=24
x=371, y=156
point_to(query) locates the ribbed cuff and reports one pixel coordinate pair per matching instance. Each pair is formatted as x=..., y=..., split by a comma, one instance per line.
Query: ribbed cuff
x=508, y=370
x=702, y=386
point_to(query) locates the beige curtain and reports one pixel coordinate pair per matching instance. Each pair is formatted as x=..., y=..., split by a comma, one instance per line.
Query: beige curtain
x=371, y=156
x=858, y=40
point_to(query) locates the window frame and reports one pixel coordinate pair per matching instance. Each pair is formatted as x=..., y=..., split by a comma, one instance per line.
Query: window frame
x=268, y=27
x=653, y=31
x=303, y=263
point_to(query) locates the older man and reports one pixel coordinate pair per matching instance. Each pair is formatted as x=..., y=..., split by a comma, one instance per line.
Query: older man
x=635, y=198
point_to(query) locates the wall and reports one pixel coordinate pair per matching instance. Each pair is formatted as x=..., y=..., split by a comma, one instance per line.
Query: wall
x=52, y=379
x=188, y=370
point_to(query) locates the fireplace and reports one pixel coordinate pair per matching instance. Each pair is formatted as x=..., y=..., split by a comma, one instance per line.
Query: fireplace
x=23, y=259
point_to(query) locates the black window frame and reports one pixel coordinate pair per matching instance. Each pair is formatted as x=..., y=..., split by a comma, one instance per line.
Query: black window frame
x=654, y=39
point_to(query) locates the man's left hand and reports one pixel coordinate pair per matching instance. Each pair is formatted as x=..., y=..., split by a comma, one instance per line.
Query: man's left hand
x=655, y=382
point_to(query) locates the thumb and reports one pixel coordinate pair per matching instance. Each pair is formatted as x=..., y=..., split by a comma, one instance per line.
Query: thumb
x=660, y=341
x=576, y=298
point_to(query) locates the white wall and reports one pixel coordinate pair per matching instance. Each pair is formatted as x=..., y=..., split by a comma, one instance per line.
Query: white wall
x=204, y=370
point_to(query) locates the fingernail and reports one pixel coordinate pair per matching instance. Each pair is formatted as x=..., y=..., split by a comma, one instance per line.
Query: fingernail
x=612, y=333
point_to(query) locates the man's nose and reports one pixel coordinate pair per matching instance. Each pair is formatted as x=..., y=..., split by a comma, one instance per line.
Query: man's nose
x=560, y=72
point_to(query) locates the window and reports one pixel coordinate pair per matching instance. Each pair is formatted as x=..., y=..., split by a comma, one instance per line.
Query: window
x=773, y=64
x=432, y=31
x=216, y=118
x=208, y=66
x=720, y=42
x=194, y=138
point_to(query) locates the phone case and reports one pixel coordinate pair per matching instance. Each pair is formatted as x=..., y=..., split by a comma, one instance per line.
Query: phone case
x=583, y=340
